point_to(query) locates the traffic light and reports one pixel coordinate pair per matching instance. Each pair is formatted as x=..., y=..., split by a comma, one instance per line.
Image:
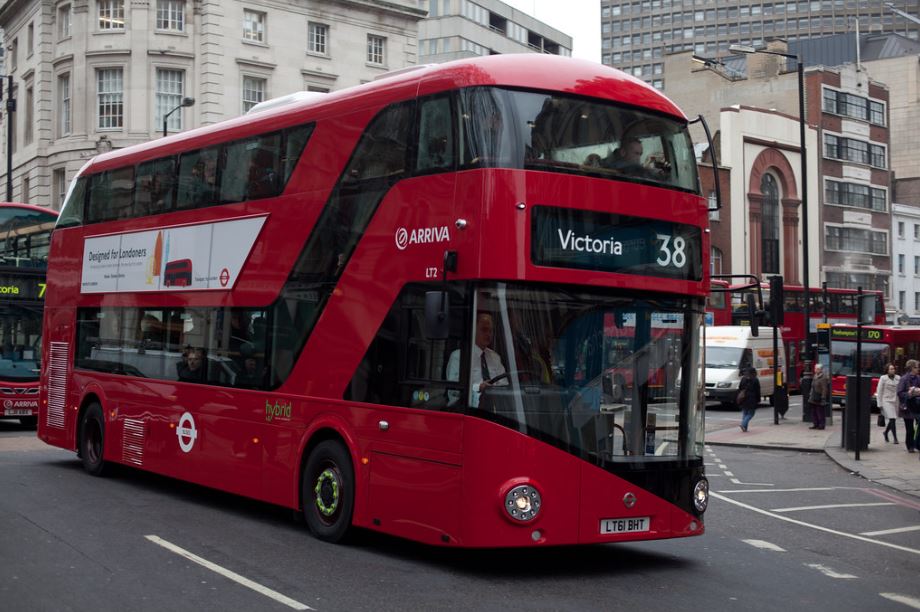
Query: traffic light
x=777, y=301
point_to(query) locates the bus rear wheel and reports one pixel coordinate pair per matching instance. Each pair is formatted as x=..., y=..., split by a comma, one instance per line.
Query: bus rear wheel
x=92, y=440
x=328, y=491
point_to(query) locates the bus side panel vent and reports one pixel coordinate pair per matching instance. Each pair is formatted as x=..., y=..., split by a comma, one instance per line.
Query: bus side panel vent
x=57, y=384
x=132, y=450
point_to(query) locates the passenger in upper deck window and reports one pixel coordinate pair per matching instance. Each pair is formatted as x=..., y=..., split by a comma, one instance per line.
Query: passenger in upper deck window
x=627, y=159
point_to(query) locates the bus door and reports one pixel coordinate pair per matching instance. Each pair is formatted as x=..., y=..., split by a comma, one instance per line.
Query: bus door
x=415, y=426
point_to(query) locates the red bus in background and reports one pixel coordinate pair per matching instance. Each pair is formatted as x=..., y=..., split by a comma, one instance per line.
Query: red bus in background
x=331, y=360
x=841, y=308
x=719, y=304
x=25, y=235
x=881, y=345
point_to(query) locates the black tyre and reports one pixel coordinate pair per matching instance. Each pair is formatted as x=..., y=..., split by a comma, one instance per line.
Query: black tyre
x=328, y=491
x=29, y=421
x=92, y=440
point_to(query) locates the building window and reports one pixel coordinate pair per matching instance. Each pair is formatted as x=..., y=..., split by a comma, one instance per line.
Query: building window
x=30, y=40
x=715, y=261
x=170, y=89
x=916, y=265
x=64, y=113
x=110, y=97
x=253, y=26
x=900, y=229
x=850, y=149
x=376, y=48
x=65, y=21
x=26, y=189
x=855, y=194
x=171, y=15
x=849, y=239
x=253, y=92
x=59, y=185
x=111, y=14
x=901, y=300
x=769, y=227
x=318, y=38
x=901, y=264
x=916, y=301
x=30, y=115
x=853, y=106
x=713, y=203
x=14, y=54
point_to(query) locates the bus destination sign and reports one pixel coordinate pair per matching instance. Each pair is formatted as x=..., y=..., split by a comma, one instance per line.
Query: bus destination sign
x=589, y=240
x=17, y=287
x=849, y=333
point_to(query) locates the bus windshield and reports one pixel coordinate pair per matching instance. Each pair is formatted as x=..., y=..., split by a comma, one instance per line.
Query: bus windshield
x=875, y=357
x=20, y=352
x=540, y=131
x=595, y=372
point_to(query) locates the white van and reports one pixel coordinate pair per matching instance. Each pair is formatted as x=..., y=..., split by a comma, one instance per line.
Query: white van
x=730, y=349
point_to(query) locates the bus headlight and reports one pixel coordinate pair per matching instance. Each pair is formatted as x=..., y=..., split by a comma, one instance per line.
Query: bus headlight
x=701, y=495
x=523, y=503
x=724, y=385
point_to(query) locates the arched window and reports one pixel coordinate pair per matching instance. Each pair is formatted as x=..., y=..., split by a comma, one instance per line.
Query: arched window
x=769, y=227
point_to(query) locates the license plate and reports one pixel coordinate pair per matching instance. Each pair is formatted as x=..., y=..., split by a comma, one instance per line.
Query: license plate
x=17, y=412
x=626, y=525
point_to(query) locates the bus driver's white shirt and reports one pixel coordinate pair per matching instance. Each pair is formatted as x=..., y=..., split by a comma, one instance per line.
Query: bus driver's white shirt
x=493, y=362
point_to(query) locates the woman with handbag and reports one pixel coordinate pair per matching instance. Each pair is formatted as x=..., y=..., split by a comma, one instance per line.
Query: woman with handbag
x=748, y=397
x=886, y=397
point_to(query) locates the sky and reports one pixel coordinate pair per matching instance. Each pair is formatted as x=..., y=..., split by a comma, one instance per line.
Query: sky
x=580, y=19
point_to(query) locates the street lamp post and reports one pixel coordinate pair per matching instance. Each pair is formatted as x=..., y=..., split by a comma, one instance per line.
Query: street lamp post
x=807, y=374
x=10, y=109
x=185, y=102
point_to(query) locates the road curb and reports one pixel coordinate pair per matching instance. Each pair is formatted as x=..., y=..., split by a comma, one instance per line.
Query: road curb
x=766, y=447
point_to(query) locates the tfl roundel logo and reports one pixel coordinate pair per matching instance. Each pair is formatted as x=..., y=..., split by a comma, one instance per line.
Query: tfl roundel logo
x=402, y=239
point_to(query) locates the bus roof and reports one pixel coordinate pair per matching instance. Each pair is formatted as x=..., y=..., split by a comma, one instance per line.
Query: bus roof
x=530, y=70
x=29, y=207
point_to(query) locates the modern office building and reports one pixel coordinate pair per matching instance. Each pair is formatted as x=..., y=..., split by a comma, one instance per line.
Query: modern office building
x=461, y=28
x=637, y=34
x=91, y=75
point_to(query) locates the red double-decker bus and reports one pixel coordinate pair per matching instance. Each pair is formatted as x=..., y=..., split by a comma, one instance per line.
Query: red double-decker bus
x=25, y=235
x=840, y=306
x=881, y=345
x=402, y=302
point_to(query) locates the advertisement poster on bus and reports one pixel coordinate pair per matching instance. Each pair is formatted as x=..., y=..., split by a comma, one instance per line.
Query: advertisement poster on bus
x=205, y=256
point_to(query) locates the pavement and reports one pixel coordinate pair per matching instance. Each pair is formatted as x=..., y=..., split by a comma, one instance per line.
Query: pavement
x=884, y=463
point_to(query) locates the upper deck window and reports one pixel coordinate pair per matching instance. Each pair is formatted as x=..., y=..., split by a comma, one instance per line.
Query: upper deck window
x=539, y=131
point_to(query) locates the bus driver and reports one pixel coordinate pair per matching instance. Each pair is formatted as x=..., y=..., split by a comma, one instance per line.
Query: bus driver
x=485, y=363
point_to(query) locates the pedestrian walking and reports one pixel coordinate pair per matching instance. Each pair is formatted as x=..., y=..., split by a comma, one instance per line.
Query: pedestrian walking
x=748, y=397
x=909, y=396
x=886, y=397
x=820, y=393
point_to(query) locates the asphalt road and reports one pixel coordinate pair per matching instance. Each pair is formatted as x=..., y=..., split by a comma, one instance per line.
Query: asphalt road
x=784, y=531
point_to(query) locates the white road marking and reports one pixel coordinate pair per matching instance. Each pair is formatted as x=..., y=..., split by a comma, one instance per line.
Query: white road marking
x=816, y=527
x=779, y=490
x=751, y=484
x=829, y=572
x=891, y=531
x=727, y=473
x=764, y=545
x=831, y=506
x=904, y=599
x=246, y=582
x=722, y=466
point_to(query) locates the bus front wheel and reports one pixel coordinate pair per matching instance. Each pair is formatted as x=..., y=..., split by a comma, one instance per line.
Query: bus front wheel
x=328, y=491
x=92, y=440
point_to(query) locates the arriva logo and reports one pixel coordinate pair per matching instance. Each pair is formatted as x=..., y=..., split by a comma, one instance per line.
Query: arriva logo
x=425, y=235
